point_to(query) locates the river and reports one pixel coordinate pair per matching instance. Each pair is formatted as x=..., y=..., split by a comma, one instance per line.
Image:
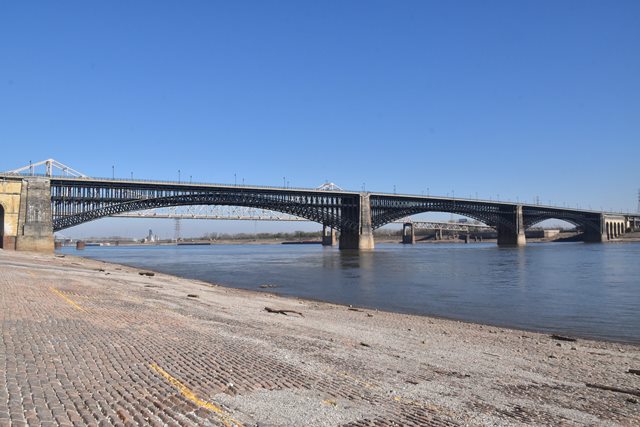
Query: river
x=587, y=290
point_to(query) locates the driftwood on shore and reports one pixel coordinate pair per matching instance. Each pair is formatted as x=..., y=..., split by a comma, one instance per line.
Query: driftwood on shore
x=563, y=338
x=616, y=389
x=272, y=310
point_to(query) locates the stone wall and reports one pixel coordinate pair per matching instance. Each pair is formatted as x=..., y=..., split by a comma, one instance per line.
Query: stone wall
x=35, y=227
x=10, y=201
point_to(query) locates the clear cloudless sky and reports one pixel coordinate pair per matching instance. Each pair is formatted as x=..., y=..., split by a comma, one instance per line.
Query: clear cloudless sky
x=512, y=98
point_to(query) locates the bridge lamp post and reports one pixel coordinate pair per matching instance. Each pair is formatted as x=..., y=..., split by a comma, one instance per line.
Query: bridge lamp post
x=178, y=176
x=284, y=182
x=113, y=172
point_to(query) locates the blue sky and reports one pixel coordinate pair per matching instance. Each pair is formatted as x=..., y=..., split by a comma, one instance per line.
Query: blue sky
x=517, y=99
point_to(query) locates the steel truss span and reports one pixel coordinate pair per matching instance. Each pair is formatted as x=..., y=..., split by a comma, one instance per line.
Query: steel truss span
x=213, y=212
x=78, y=200
x=386, y=209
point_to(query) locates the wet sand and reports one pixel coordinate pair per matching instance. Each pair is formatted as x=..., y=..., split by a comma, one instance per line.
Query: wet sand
x=90, y=343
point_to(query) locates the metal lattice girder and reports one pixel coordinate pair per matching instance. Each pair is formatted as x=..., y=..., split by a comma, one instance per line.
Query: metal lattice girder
x=386, y=208
x=78, y=200
x=585, y=219
x=449, y=226
x=238, y=213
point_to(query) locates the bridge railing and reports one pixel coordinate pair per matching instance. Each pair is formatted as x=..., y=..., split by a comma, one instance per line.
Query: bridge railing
x=181, y=182
x=274, y=187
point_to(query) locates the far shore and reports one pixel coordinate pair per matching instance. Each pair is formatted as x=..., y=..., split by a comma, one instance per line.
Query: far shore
x=630, y=237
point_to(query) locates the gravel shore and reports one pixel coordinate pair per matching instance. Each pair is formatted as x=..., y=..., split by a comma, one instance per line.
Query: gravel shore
x=90, y=343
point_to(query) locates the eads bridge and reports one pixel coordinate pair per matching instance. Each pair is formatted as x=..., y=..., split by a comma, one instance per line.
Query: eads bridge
x=33, y=207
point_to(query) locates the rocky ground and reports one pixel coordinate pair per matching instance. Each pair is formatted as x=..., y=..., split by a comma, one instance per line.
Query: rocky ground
x=90, y=343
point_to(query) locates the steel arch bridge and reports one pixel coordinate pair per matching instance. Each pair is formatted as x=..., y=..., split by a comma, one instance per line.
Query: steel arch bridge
x=75, y=200
x=55, y=203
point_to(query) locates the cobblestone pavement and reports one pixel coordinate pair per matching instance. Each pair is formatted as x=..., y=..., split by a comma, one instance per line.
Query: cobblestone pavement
x=81, y=346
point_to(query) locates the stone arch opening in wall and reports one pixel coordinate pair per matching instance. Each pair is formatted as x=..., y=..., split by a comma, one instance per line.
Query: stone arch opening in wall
x=1, y=226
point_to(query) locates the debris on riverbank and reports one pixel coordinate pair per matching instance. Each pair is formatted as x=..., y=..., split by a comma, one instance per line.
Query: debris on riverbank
x=166, y=359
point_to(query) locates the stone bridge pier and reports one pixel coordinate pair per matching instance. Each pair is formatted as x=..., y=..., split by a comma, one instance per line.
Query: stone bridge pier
x=328, y=236
x=607, y=227
x=511, y=226
x=361, y=235
x=408, y=234
x=25, y=214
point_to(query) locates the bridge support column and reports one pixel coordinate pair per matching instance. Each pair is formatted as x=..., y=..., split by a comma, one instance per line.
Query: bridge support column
x=10, y=192
x=362, y=236
x=598, y=233
x=511, y=231
x=328, y=236
x=408, y=234
x=35, y=229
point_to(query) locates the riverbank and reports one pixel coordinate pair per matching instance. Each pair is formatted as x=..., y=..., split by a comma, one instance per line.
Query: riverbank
x=85, y=341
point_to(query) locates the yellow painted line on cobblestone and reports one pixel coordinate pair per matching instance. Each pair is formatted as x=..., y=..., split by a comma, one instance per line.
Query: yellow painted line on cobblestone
x=190, y=395
x=357, y=380
x=67, y=299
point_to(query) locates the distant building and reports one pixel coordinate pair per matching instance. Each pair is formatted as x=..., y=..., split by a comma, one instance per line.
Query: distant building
x=151, y=238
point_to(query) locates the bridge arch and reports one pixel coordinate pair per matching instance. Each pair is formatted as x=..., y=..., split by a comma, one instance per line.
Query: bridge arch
x=327, y=216
x=384, y=210
x=483, y=221
x=588, y=222
x=574, y=222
